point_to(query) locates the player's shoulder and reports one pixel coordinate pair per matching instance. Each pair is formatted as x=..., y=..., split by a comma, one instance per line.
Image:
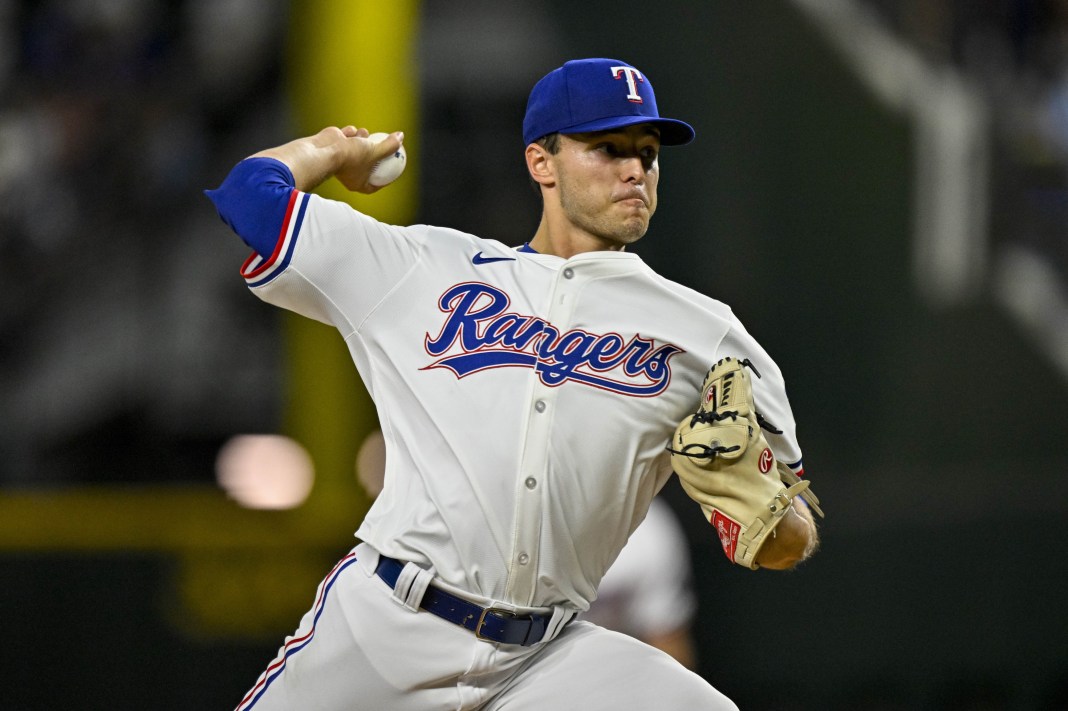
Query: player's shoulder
x=694, y=298
x=327, y=208
x=450, y=240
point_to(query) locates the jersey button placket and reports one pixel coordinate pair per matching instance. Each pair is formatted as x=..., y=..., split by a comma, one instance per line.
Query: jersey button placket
x=531, y=483
x=522, y=578
x=523, y=568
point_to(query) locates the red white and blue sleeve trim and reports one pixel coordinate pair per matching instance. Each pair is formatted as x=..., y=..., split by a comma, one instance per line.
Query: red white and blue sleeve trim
x=258, y=269
x=260, y=202
x=798, y=468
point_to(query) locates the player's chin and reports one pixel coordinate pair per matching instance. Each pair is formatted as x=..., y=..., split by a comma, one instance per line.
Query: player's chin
x=632, y=229
x=635, y=215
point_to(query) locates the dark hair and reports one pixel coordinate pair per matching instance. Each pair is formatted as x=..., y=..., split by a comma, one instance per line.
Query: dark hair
x=551, y=143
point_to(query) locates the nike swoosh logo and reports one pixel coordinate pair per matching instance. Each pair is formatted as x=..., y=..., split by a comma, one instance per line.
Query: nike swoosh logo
x=479, y=259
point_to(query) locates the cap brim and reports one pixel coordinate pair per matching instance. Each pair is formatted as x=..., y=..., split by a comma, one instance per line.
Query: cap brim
x=672, y=131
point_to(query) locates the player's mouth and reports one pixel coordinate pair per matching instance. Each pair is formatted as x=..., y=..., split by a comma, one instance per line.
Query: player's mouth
x=632, y=199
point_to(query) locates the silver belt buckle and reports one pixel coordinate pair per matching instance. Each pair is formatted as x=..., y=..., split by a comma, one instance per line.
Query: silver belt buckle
x=482, y=620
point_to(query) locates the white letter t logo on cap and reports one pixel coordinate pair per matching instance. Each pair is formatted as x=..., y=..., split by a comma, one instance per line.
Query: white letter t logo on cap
x=631, y=74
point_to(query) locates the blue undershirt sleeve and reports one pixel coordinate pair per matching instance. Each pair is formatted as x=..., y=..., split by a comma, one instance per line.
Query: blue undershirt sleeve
x=253, y=200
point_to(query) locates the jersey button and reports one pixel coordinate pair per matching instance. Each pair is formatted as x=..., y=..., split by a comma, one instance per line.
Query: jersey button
x=531, y=482
x=524, y=558
x=568, y=273
x=540, y=406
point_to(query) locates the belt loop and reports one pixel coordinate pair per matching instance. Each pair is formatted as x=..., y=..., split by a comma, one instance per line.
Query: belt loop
x=411, y=586
x=561, y=616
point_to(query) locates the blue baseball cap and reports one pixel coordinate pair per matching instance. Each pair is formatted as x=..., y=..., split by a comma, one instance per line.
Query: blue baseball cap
x=588, y=95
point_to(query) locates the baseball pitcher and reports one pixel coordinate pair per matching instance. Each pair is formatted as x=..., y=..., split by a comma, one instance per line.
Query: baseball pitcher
x=533, y=400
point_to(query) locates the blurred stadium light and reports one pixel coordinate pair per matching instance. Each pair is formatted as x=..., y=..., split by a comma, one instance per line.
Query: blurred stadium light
x=265, y=471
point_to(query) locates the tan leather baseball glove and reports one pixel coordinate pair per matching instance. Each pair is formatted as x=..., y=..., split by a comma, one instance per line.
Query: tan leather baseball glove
x=726, y=466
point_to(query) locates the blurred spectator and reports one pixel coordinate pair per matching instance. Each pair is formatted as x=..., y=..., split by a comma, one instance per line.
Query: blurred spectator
x=648, y=592
x=1016, y=53
x=112, y=273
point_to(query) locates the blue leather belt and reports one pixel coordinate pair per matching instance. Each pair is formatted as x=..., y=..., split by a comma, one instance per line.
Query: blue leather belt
x=488, y=623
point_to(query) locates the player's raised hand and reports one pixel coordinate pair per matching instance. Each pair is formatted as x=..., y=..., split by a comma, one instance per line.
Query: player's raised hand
x=345, y=153
x=364, y=152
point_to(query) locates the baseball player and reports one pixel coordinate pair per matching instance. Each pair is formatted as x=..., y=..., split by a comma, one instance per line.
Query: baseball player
x=532, y=400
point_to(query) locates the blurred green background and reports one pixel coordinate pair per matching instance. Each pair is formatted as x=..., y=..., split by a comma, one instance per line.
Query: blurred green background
x=877, y=189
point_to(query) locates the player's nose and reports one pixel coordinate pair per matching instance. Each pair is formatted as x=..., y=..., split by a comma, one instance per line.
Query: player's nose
x=632, y=170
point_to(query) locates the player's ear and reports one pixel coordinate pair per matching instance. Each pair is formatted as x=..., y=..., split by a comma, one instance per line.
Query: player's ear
x=540, y=165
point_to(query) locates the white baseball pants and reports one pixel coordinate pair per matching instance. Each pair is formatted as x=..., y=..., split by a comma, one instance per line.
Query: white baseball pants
x=360, y=648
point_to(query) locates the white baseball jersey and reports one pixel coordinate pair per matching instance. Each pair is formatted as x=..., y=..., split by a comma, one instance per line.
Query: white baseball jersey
x=526, y=400
x=648, y=591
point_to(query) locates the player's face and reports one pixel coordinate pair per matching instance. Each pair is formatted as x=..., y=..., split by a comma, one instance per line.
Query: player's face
x=607, y=181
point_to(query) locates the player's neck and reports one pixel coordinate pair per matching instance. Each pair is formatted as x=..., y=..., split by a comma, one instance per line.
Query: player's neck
x=566, y=240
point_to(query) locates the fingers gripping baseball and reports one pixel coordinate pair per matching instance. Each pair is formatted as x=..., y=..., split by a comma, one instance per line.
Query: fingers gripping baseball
x=725, y=464
x=369, y=162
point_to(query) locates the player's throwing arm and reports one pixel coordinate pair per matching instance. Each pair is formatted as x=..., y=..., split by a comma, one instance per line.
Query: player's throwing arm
x=362, y=162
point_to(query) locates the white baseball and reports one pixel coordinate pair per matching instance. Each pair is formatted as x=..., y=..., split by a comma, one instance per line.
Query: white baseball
x=389, y=168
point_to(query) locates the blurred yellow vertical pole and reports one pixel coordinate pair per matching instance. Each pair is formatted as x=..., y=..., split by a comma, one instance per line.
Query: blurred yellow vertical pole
x=350, y=62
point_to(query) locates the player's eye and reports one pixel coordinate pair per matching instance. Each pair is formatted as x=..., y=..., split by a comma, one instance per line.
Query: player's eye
x=649, y=156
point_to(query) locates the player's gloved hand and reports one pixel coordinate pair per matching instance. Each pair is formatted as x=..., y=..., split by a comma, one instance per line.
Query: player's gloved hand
x=725, y=465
